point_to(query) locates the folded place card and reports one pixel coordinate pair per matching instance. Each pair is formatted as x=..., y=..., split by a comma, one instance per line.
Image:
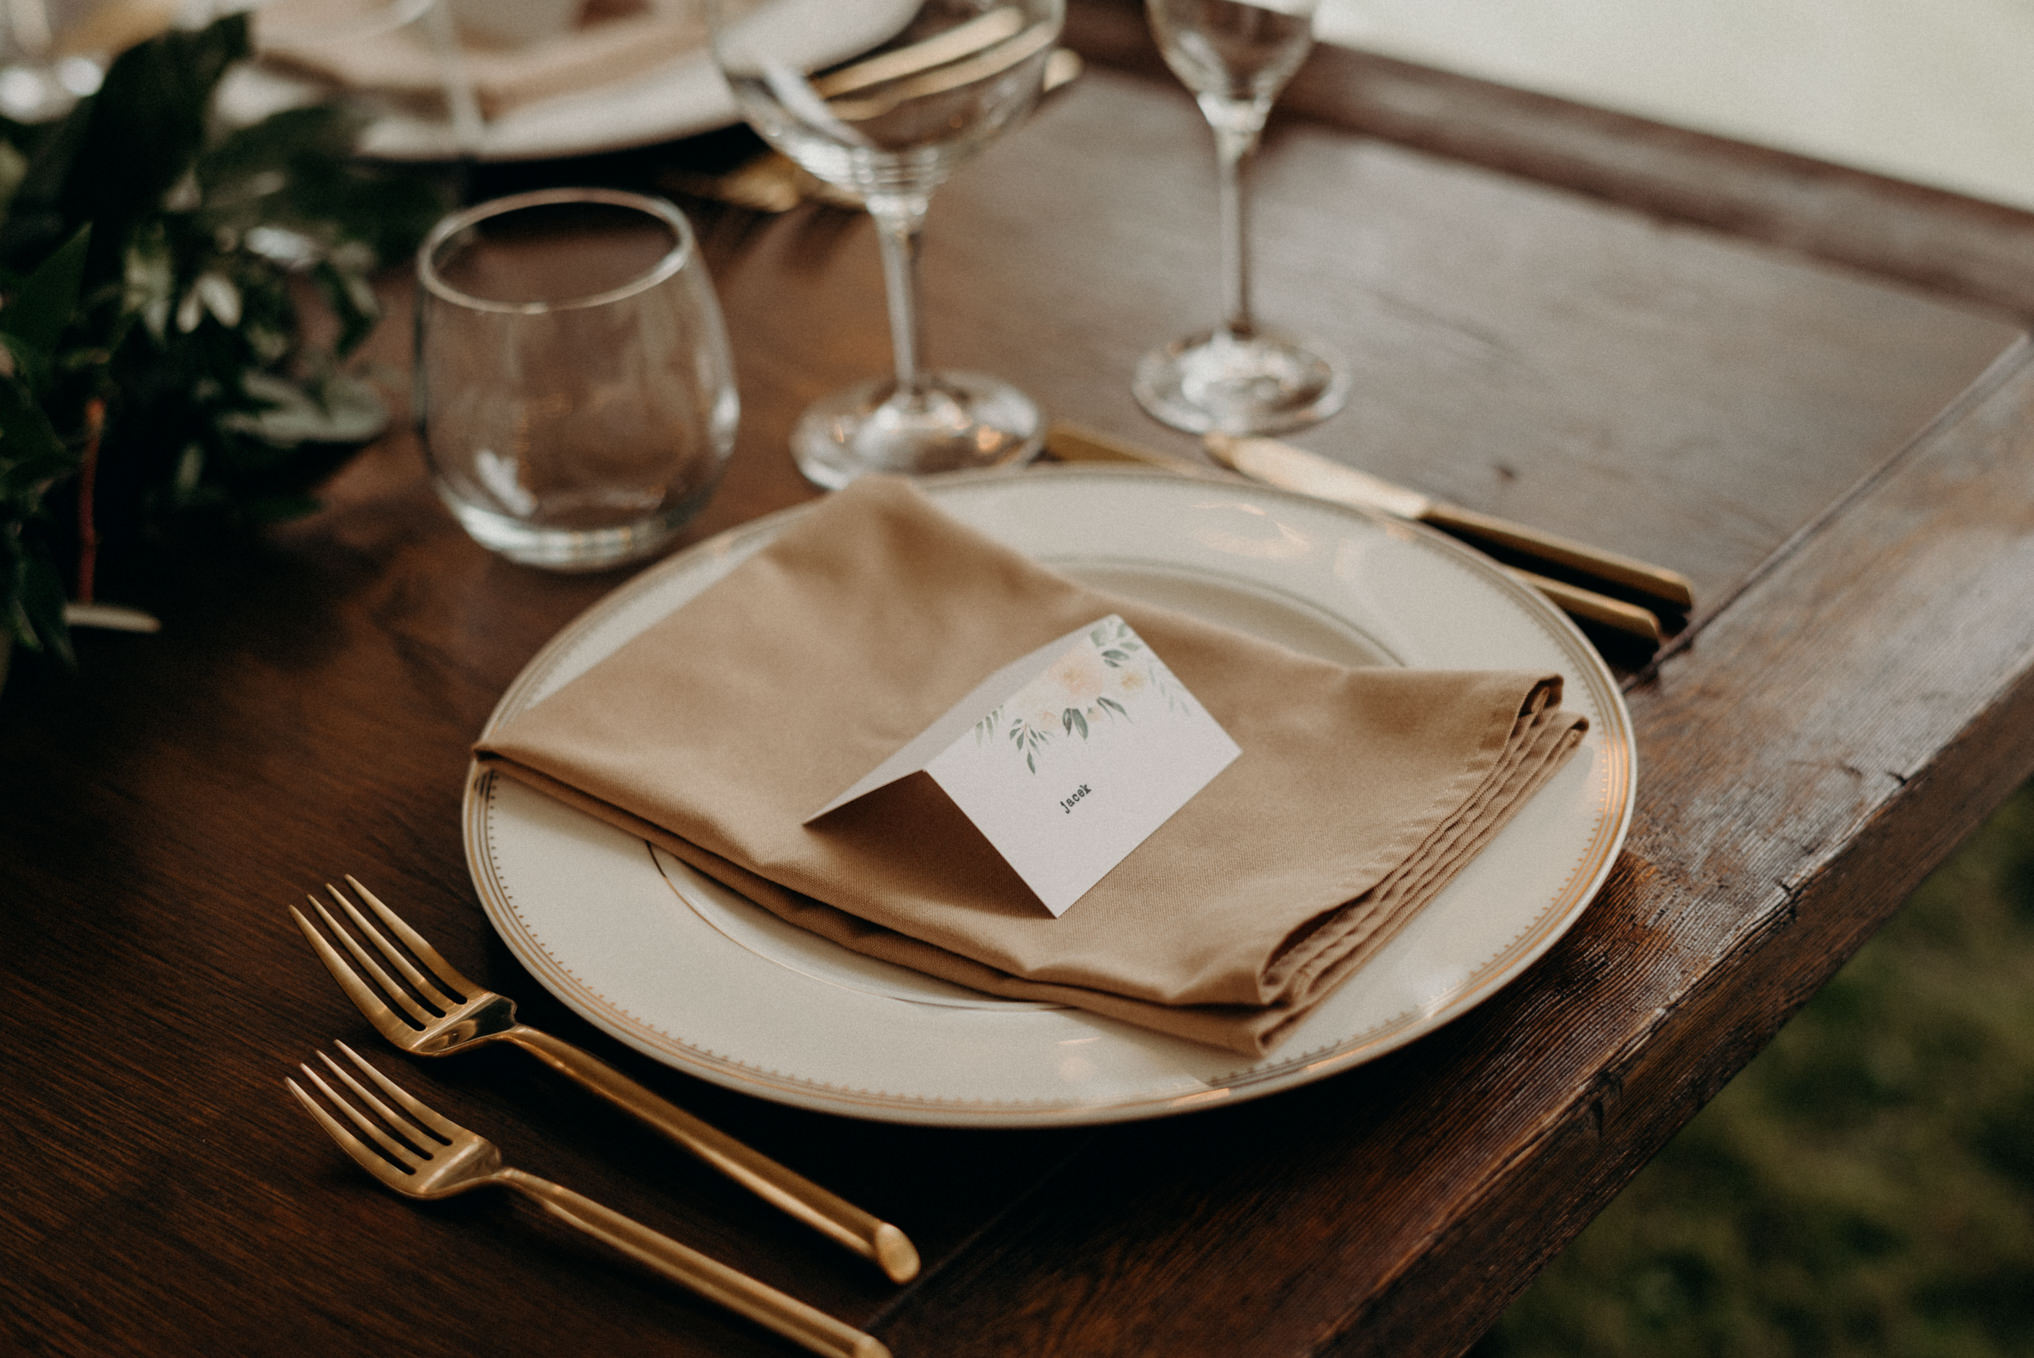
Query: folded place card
x=1067, y=758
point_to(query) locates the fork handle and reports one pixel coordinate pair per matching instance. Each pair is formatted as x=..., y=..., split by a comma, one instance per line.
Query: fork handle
x=831, y=1215
x=717, y=1282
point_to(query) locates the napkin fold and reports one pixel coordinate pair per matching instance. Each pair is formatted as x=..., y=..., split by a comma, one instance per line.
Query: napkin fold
x=714, y=732
x=613, y=41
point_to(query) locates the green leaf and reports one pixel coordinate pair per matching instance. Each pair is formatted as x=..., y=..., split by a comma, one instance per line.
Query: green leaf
x=265, y=151
x=352, y=301
x=279, y=508
x=150, y=278
x=36, y=617
x=31, y=454
x=149, y=120
x=220, y=297
x=13, y=170
x=48, y=298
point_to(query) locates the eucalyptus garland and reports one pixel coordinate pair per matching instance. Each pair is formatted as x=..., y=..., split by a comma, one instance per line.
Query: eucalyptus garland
x=153, y=357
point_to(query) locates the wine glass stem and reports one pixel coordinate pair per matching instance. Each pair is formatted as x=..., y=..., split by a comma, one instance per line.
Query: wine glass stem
x=1237, y=123
x=900, y=221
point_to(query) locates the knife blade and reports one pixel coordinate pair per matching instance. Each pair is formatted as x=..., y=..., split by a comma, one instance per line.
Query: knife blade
x=1069, y=443
x=1290, y=468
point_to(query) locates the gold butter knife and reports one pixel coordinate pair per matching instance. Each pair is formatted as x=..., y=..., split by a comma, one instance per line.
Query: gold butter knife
x=1283, y=465
x=1071, y=443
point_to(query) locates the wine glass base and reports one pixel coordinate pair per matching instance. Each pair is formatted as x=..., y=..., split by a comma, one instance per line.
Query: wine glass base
x=1217, y=382
x=959, y=422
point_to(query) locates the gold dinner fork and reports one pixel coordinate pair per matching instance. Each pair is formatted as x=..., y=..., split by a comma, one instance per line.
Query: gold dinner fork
x=442, y=1012
x=441, y=1158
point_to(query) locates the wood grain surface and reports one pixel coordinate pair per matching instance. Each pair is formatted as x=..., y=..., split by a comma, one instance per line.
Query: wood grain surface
x=1893, y=229
x=1840, y=461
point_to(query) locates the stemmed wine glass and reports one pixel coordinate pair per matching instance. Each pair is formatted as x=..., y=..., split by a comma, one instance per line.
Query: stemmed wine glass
x=1235, y=56
x=885, y=98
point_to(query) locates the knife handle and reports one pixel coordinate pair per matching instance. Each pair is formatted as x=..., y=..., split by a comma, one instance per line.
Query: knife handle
x=1655, y=584
x=1587, y=605
x=1071, y=444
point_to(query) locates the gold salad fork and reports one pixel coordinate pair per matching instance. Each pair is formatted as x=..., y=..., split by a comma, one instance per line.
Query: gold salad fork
x=441, y=1158
x=443, y=1012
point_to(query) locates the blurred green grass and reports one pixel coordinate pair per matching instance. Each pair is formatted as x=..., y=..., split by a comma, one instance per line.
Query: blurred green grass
x=1866, y=1185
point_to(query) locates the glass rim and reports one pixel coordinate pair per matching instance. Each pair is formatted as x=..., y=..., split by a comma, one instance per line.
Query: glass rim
x=665, y=268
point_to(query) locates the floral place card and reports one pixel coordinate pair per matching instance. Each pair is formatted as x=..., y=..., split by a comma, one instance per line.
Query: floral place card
x=1067, y=759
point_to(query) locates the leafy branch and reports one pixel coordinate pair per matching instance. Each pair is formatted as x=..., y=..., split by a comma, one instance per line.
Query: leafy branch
x=154, y=269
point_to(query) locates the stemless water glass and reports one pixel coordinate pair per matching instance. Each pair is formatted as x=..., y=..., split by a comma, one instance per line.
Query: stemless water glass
x=1235, y=56
x=885, y=98
x=574, y=392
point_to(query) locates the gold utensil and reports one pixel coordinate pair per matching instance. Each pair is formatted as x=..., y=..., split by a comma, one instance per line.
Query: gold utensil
x=441, y=1158
x=442, y=1012
x=771, y=181
x=1070, y=443
x=1283, y=465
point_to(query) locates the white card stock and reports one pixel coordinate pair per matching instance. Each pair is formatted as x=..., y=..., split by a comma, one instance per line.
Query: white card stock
x=1067, y=759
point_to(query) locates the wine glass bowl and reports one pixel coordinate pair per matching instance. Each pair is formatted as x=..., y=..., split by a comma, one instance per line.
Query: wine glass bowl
x=885, y=98
x=1232, y=50
x=1237, y=377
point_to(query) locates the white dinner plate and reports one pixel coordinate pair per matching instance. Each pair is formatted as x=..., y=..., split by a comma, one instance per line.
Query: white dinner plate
x=678, y=98
x=683, y=969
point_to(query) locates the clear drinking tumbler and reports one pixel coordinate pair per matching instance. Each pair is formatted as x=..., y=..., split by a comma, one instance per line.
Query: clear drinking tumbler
x=574, y=389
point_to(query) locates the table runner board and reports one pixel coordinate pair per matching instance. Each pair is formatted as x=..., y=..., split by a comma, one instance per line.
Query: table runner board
x=1831, y=737
x=1525, y=352
x=1936, y=238
x=307, y=710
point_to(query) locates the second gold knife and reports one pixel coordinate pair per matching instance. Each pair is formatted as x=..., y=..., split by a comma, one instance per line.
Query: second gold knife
x=1071, y=444
x=1290, y=468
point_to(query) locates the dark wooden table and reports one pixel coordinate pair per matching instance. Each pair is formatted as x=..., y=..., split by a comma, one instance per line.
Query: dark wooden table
x=1664, y=343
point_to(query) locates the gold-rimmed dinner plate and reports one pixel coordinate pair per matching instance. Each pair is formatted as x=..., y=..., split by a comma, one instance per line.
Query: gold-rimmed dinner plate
x=698, y=977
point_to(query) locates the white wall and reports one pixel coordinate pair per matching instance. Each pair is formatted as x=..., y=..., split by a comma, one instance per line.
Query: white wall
x=1936, y=91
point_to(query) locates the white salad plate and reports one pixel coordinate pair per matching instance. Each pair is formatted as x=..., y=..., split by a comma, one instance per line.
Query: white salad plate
x=698, y=977
x=678, y=99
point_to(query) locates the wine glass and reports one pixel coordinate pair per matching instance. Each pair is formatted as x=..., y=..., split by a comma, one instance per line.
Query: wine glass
x=1235, y=56
x=885, y=98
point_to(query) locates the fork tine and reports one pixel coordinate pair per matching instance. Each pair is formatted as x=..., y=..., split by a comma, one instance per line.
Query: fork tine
x=408, y=1130
x=391, y=989
x=445, y=1127
x=363, y=1154
x=431, y=993
x=404, y=1155
x=414, y=941
x=390, y=1023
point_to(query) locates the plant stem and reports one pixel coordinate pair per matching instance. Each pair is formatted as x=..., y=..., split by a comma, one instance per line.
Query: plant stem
x=88, y=476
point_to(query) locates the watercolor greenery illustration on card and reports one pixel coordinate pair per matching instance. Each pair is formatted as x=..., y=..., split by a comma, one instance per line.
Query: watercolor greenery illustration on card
x=1109, y=675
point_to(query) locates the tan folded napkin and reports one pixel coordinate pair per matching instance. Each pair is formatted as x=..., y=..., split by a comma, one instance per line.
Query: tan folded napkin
x=614, y=41
x=716, y=731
